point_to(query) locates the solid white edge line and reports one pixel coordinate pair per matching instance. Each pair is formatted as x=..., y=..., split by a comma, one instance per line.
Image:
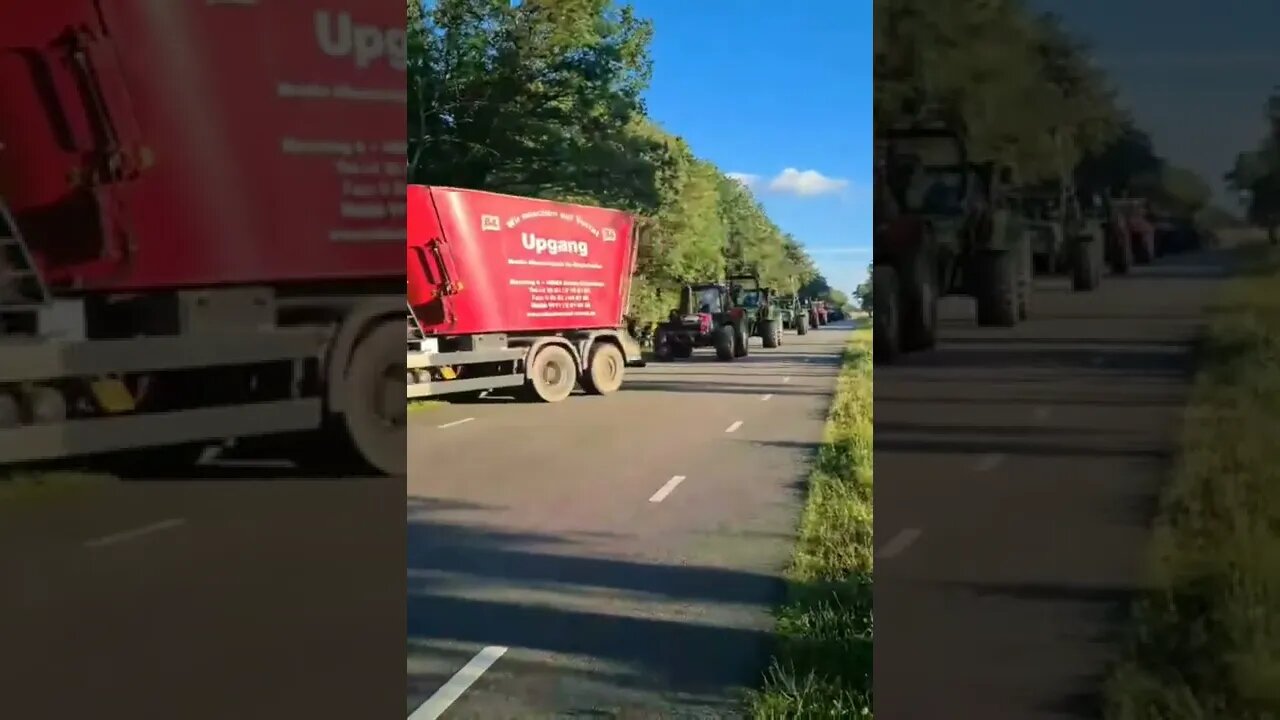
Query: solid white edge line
x=767, y=397
x=136, y=532
x=454, y=423
x=899, y=543
x=734, y=427
x=448, y=694
x=666, y=489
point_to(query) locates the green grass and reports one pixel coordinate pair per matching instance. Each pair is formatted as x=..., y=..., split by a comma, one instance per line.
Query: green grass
x=822, y=661
x=424, y=405
x=1205, y=640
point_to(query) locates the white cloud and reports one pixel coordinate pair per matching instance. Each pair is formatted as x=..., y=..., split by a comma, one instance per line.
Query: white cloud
x=806, y=183
x=746, y=179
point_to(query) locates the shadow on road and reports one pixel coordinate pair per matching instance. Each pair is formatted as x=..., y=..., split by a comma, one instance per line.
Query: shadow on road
x=659, y=653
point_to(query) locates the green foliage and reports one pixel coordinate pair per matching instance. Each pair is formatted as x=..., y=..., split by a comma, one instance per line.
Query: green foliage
x=863, y=293
x=543, y=99
x=1256, y=173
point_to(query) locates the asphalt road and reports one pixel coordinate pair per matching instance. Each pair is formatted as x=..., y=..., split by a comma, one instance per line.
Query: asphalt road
x=256, y=595
x=1016, y=473
x=611, y=557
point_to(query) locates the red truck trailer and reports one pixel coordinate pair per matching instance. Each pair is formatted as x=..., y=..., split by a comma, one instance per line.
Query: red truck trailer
x=512, y=292
x=201, y=216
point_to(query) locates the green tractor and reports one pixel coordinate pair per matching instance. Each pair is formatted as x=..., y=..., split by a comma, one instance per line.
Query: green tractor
x=760, y=307
x=943, y=225
x=1064, y=238
x=793, y=315
x=706, y=317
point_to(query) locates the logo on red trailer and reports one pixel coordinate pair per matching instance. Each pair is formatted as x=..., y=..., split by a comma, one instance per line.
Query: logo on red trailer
x=490, y=223
x=608, y=234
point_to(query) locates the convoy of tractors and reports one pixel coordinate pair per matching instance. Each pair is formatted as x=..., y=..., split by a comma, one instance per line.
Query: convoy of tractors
x=946, y=224
x=533, y=296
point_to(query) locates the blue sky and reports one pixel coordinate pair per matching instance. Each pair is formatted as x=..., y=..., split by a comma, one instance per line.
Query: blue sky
x=1195, y=73
x=780, y=93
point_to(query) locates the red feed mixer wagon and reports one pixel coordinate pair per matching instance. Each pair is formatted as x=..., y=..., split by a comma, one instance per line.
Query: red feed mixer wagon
x=513, y=292
x=201, y=214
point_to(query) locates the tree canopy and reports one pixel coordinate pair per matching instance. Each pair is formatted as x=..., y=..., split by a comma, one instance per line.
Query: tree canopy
x=544, y=98
x=1256, y=173
x=1023, y=91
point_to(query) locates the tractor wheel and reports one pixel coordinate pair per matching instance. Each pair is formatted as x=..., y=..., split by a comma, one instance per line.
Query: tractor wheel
x=1143, y=252
x=770, y=335
x=1026, y=280
x=741, y=341
x=1122, y=254
x=996, y=289
x=724, y=341
x=1084, y=266
x=605, y=369
x=802, y=325
x=886, y=340
x=918, y=302
x=683, y=351
x=552, y=375
x=663, y=349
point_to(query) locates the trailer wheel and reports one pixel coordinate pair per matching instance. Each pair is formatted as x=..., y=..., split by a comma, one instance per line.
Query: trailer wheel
x=605, y=369
x=552, y=375
x=769, y=334
x=997, y=288
x=724, y=340
x=374, y=407
x=885, y=335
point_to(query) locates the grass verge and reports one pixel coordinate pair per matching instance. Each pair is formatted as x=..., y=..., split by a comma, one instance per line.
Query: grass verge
x=822, y=662
x=424, y=405
x=1206, y=638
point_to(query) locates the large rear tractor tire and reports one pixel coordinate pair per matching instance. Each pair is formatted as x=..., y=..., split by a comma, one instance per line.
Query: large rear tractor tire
x=996, y=288
x=918, y=300
x=1143, y=252
x=802, y=324
x=1122, y=254
x=886, y=324
x=552, y=375
x=770, y=334
x=682, y=351
x=606, y=367
x=741, y=341
x=663, y=349
x=724, y=342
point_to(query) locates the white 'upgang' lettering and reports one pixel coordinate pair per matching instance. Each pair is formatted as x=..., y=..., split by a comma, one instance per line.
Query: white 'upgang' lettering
x=363, y=43
x=550, y=246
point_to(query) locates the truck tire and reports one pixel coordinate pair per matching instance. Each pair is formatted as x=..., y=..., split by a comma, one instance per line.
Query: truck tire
x=605, y=369
x=724, y=342
x=741, y=341
x=996, y=288
x=885, y=335
x=1085, y=272
x=918, y=300
x=552, y=375
x=802, y=325
x=374, y=410
x=770, y=334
